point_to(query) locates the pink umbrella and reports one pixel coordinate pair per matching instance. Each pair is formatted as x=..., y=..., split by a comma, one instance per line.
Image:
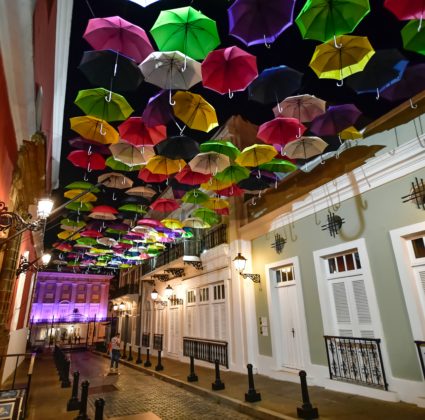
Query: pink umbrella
x=149, y=222
x=104, y=209
x=90, y=233
x=87, y=160
x=136, y=132
x=117, y=34
x=228, y=70
x=164, y=205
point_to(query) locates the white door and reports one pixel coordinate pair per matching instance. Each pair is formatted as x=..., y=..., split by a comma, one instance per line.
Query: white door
x=174, y=338
x=290, y=330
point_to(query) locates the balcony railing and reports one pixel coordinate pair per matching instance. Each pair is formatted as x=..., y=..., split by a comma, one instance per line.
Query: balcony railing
x=206, y=350
x=356, y=360
x=420, y=345
x=127, y=289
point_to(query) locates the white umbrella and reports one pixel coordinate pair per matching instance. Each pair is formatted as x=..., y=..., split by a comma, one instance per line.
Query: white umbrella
x=305, y=147
x=209, y=163
x=131, y=155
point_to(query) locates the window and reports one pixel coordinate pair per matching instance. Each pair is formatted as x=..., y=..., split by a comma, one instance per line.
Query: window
x=204, y=294
x=66, y=292
x=418, y=247
x=349, y=261
x=285, y=274
x=191, y=296
x=81, y=293
x=219, y=292
x=49, y=293
x=95, y=294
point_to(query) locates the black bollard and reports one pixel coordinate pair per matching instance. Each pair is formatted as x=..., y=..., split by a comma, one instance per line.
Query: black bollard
x=159, y=366
x=82, y=415
x=192, y=376
x=217, y=385
x=130, y=354
x=99, y=404
x=124, y=353
x=66, y=383
x=307, y=411
x=148, y=362
x=139, y=357
x=252, y=395
x=73, y=403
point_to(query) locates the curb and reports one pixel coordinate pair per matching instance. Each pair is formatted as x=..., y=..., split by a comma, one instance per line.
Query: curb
x=240, y=406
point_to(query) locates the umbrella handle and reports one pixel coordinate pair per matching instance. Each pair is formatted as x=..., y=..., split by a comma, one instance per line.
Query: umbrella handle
x=89, y=151
x=420, y=23
x=88, y=168
x=336, y=43
x=258, y=176
x=340, y=83
x=266, y=43
x=230, y=94
x=85, y=177
x=170, y=99
x=184, y=64
x=114, y=197
x=378, y=95
x=279, y=108
x=412, y=105
x=253, y=202
x=109, y=96
x=101, y=130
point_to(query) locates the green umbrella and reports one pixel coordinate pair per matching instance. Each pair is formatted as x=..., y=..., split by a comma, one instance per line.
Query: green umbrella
x=79, y=206
x=73, y=223
x=133, y=208
x=223, y=147
x=278, y=165
x=195, y=197
x=207, y=215
x=116, y=231
x=187, y=30
x=86, y=241
x=104, y=104
x=116, y=165
x=414, y=39
x=232, y=174
x=81, y=185
x=325, y=19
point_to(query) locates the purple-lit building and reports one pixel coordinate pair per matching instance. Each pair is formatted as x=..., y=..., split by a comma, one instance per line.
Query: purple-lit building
x=69, y=308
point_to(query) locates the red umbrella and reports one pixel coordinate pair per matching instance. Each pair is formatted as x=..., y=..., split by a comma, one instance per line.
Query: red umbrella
x=90, y=233
x=223, y=212
x=115, y=33
x=228, y=70
x=104, y=209
x=149, y=222
x=189, y=177
x=147, y=176
x=232, y=191
x=407, y=10
x=87, y=160
x=281, y=130
x=135, y=131
x=164, y=205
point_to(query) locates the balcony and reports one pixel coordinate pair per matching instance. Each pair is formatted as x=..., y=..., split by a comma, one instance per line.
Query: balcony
x=128, y=289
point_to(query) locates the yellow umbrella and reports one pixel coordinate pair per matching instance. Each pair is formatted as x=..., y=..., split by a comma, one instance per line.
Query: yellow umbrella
x=255, y=155
x=93, y=128
x=164, y=166
x=194, y=111
x=215, y=203
x=65, y=234
x=86, y=198
x=340, y=58
x=215, y=185
x=172, y=223
x=196, y=223
x=350, y=133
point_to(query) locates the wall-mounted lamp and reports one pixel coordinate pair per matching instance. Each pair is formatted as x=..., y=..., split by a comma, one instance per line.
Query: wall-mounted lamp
x=168, y=292
x=119, y=308
x=240, y=263
x=26, y=265
x=154, y=297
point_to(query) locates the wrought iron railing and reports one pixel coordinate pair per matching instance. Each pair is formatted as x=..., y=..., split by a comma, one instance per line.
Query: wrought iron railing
x=420, y=345
x=157, y=341
x=215, y=237
x=356, y=360
x=67, y=320
x=206, y=350
x=128, y=289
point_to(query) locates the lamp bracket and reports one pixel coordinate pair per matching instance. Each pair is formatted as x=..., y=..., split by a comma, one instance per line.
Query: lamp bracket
x=161, y=277
x=10, y=218
x=195, y=264
x=160, y=302
x=256, y=278
x=175, y=271
x=175, y=301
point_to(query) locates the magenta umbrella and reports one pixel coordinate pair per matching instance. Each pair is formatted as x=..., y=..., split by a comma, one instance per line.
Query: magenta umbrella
x=117, y=34
x=280, y=131
x=228, y=70
x=89, y=145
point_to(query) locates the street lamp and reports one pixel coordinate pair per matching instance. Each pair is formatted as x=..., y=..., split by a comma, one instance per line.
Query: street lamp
x=26, y=265
x=240, y=263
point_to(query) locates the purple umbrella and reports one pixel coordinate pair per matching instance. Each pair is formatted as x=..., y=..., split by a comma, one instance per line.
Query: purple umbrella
x=258, y=21
x=158, y=110
x=335, y=119
x=85, y=144
x=411, y=83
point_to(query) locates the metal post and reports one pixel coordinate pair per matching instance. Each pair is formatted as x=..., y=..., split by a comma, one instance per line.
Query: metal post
x=99, y=404
x=124, y=353
x=217, y=385
x=307, y=411
x=252, y=395
x=66, y=383
x=73, y=403
x=139, y=357
x=130, y=354
x=82, y=415
x=148, y=362
x=159, y=366
x=192, y=376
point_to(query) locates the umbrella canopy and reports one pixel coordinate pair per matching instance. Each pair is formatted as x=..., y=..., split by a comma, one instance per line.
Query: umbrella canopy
x=111, y=70
x=407, y=10
x=89, y=145
x=141, y=192
x=187, y=30
x=189, y=177
x=144, y=3
x=178, y=147
x=164, y=205
x=195, y=197
x=350, y=133
x=256, y=22
x=228, y=70
x=414, y=38
x=222, y=146
x=302, y=107
x=172, y=223
x=131, y=155
x=86, y=160
x=115, y=180
x=209, y=163
x=215, y=203
x=83, y=185
x=215, y=185
x=233, y=191
x=341, y=58
x=104, y=104
x=256, y=155
x=336, y=119
x=195, y=223
x=164, y=166
x=79, y=206
x=305, y=147
x=274, y=84
x=149, y=177
x=117, y=165
x=158, y=110
x=86, y=198
x=278, y=165
x=102, y=216
x=133, y=208
x=281, y=130
x=91, y=233
x=207, y=215
x=323, y=20
x=232, y=174
x=135, y=131
x=117, y=34
x=95, y=129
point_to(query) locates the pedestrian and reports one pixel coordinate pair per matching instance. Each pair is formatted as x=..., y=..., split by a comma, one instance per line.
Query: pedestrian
x=115, y=346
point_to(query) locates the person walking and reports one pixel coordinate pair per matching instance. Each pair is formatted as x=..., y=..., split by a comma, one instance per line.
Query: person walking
x=115, y=352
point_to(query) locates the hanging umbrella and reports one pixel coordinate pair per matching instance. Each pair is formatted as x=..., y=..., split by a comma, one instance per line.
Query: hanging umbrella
x=164, y=205
x=256, y=21
x=194, y=111
x=115, y=180
x=66, y=234
x=149, y=222
x=149, y=177
x=89, y=145
x=280, y=131
x=209, y=163
x=414, y=38
x=385, y=68
x=232, y=174
x=178, y=147
x=135, y=131
x=274, y=84
x=233, y=191
x=91, y=233
x=105, y=209
x=341, y=58
x=195, y=197
x=222, y=146
x=141, y=192
x=104, y=104
x=172, y=223
x=278, y=165
x=305, y=147
x=107, y=241
x=158, y=110
x=187, y=30
x=215, y=185
x=407, y=10
x=195, y=223
x=83, y=185
x=86, y=198
x=111, y=70
x=117, y=34
x=102, y=216
x=131, y=155
x=95, y=129
x=336, y=119
x=144, y=3
x=323, y=20
x=164, y=166
x=256, y=155
x=302, y=107
x=117, y=165
x=215, y=203
x=207, y=215
x=79, y=206
x=133, y=208
x=86, y=160
x=253, y=183
x=350, y=133
x=189, y=177
x=73, y=223
x=228, y=70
